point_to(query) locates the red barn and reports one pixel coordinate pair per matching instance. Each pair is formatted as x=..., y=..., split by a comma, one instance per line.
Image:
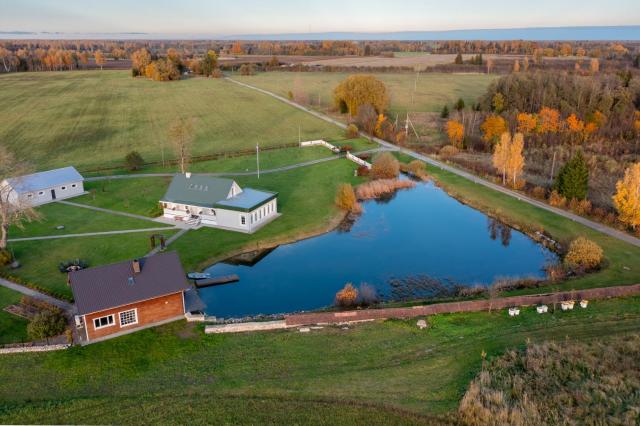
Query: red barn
x=116, y=299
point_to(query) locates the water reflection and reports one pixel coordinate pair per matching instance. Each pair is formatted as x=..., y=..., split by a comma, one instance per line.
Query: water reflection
x=497, y=228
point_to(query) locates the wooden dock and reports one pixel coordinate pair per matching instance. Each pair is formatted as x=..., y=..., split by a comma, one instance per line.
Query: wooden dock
x=217, y=281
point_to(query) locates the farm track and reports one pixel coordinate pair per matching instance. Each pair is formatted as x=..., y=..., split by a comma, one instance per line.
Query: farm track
x=473, y=178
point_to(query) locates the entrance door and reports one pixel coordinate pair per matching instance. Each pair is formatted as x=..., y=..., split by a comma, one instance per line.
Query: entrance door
x=53, y=194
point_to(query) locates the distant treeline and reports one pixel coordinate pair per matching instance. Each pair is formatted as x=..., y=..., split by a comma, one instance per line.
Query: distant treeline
x=46, y=55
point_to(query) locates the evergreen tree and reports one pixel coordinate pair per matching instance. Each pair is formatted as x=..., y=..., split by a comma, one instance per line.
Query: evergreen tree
x=445, y=112
x=459, y=106
x=573, y=179
x=458, y=60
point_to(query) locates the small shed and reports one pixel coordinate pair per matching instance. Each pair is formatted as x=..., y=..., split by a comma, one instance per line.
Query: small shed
x=43, y=187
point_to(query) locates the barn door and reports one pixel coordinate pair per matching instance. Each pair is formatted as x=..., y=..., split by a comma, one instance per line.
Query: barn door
x=53, y=194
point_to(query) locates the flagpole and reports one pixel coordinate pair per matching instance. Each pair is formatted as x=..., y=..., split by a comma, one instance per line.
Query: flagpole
x=258, y=159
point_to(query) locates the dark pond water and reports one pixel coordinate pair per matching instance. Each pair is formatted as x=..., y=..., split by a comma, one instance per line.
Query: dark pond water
x=422, y=234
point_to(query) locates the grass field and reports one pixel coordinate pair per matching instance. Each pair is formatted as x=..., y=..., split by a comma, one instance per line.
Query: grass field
x=76, y=220
x=93, y=119
x=12, y=328
x=434, y=90
x=382, y=371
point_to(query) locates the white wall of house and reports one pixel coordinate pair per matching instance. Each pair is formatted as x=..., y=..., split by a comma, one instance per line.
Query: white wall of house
x=45, y=195
x=223, y=218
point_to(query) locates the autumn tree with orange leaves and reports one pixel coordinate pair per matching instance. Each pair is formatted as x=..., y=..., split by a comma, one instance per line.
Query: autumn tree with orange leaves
x=492, y=128
x=627, y=197
x=100, y=59
x=508, y=158
x=527, y=123
x=455, y=132
x=549, y=120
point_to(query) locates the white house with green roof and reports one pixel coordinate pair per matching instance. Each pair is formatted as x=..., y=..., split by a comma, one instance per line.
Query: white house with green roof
x=218, y=203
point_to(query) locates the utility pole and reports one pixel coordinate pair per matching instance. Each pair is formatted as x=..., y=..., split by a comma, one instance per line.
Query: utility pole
x=258, y=159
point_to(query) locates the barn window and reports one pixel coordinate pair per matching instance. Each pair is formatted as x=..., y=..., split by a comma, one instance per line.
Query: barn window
x=73, y=185
x=102, y=322
x=41, y=193
x=63, y=188
x=128, y=317
x=243, y=220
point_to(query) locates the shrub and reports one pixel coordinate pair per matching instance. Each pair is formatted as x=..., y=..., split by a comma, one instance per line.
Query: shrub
x=376, y=188
x=46, y=324
x=557, y=200
x=555, y=272
x=133, y=161
x=347, y=296
x=448, y=151
x=346, y=199
x=247, y=69
x=290, y=95
x=346, y=148
x=581, y=207
x=417, y=168
x=367, y=295
x=599, y=213
x=475, y=291
x=583, y=255
x=363, y=171
x=445, y=112
x=5, y=257
x=539, y=192
x=385, y=166
x=352, y=131
x=510, y=283
x=217, y=73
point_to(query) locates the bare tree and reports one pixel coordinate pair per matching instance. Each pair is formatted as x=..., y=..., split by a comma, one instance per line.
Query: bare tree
x=181, y=136
x=13, y=210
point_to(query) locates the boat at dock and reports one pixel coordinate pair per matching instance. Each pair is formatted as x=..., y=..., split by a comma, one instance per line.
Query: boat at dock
x=226, y=279
x=198, y=275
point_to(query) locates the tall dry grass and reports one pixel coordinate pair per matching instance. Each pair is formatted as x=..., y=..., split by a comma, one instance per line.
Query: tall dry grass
x=559, y=383
x=376, y=188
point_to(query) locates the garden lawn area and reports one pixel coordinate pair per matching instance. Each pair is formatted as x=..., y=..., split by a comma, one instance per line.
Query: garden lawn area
x=434, y=90
x=305, y=200
x=92, y=119
x=622, y=260
x=40, y=259
x=76, y=220
x=387, y=371
x=247, y=163
x=12, y=328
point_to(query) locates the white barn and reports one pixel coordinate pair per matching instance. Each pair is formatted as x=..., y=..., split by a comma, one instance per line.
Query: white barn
x=218, y=203
x=43, y=187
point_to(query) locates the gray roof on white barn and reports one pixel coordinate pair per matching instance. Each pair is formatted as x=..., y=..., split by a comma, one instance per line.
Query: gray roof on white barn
x=44, y=180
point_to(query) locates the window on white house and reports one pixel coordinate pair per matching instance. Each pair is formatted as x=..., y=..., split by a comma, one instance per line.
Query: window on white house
x=63, y=188
x=128, y=317
x=41, y=193
x=243, y=220
x=102, y=322
x=29, y=195
x=73, y=185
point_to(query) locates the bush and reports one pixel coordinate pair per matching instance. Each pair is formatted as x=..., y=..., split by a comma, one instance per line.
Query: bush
x=581, y=207
x=5, y=257
x=448, y=151
x=352, y=131
x=247, y=69
x=46, y=324
x=346, y=199
x=363, y=171
x=555, y=272
x=133, y=161
x=583, y=255
x=385, y=166
x=217, y=73
x=539, y=192
x=475, y=291
x=347, y=296
x=557, y=200
x=417, y=167
x=367, y=295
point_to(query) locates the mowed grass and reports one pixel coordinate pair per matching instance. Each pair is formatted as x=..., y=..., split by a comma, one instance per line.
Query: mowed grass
x=431, y=92
x=94, y=118
x=76, y=220
x=40, y=259
x=383, y=370
x=622, y=260
x=12, y=328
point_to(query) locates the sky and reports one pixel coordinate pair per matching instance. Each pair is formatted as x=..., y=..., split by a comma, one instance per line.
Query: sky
x=236, y=17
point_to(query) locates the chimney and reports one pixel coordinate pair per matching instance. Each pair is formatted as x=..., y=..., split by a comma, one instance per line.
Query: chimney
x=188, y=175
x=136, y=266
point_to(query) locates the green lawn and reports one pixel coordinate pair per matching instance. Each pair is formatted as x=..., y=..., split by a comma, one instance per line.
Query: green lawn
x=375, y=372
x=12, y=328
x=136, y=195
x=40, y=259
x=94, y=118
x=434, y=90
x=76, y=220
x=622, y=260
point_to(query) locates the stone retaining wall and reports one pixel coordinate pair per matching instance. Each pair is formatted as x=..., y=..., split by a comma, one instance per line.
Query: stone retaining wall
x=35, y=348
x=463, y=306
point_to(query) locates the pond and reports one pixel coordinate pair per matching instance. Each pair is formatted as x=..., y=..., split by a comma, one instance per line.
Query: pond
x=420, y=232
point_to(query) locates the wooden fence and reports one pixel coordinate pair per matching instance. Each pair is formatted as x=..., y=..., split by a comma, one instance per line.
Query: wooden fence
x=462, y=306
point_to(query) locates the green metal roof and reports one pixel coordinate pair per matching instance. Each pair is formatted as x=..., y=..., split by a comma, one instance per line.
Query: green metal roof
x=197, y=190
x=248, y=200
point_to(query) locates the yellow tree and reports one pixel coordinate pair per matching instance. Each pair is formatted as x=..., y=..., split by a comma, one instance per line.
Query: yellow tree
x=515, y=162
x=527, y=123
x=595, y=66
x=100, y=59
x=627, y=197
x=492, y=128
x=501, y=155
x=455, y=132
x=358, y=90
